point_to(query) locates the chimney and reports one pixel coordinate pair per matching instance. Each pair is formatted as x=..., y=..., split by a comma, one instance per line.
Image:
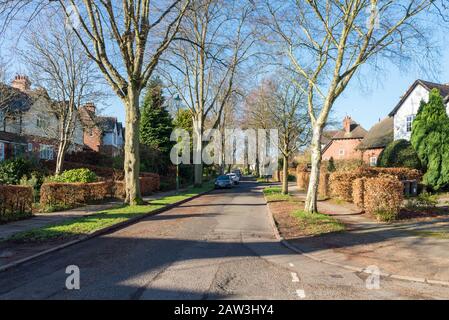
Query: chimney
x=347, y=124
x=21, y=82
x=90, y=107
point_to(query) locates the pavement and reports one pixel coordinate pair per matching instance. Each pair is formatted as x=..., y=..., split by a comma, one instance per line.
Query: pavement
x=218, y=246
x=44, y=219
x=401, y=248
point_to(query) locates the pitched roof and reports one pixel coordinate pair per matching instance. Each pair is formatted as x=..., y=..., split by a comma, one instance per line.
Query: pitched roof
x=326, y=137
x=357, y=132
x=379, y=135
x=444, y=91
x=14, y=99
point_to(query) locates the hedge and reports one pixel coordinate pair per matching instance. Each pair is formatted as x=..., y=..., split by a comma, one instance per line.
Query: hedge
x=56, y=196
x=323, y=185
x=302, y=178
x=16, y=202
x=383, y=197
x=148, y=184
x=358, y=192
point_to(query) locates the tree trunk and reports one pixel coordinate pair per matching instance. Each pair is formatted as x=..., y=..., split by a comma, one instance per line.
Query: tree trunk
x=285, y=175
x=197, y=151
x=60, y=157
x=132, y=159
x=311, y=199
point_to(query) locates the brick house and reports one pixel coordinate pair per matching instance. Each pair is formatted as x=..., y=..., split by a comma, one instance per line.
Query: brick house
x=101, y=134
x=28, y=125
x=375, y=141
x=343, y=144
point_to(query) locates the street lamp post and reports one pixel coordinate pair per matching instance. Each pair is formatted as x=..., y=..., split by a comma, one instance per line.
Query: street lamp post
x=177, y=101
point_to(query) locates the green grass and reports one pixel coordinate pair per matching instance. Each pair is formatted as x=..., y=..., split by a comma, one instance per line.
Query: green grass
x=103, y=219
x=273, y=194
x=317, y=223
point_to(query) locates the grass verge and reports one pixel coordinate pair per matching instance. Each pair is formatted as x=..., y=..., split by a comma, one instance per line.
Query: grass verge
x=100, y=220
x=432, y=234
x=293, y=221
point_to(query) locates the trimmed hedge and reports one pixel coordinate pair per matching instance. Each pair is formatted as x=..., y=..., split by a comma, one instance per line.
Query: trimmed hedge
x=302, y=178
x=323, y=185
x=383, y=197
x=358, y=192
x=148, y=184
x=16, y=202
x=399, y=153
x=57, y=196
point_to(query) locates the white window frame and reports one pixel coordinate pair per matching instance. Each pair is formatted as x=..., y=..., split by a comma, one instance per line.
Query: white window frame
x=30, y=147
x=2, y=151
x=341, y=152
x=409, y=122
x=373, y=161
x=46, y=152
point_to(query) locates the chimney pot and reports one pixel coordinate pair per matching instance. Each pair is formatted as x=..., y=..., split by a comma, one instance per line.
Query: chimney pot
x=347, y=124
x=21, y=82
x=90, y=106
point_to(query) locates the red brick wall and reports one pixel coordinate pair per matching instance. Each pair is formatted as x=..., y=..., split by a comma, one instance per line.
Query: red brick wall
x=349, y=147
x=367, y=154
x=92, y=141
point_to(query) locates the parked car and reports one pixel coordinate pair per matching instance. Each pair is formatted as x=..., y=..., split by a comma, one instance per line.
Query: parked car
x=238, y=173
x=234, y=178
x=223, y=181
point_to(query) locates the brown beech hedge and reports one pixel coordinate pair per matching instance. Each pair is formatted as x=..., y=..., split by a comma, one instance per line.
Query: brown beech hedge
x=383, y=197
x=16, y=202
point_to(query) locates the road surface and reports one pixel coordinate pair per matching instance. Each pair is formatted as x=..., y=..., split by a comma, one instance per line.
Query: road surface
x=218, y=246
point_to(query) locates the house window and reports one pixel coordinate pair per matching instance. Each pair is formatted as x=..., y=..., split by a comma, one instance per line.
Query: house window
x=41, y=123
x=2, y=151
x=409, y=123
x=341, y=152
x=46, y=152
x=373, y=161
x=30, y=147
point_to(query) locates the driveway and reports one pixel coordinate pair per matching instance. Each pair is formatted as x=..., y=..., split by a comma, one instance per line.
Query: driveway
x=220, y=245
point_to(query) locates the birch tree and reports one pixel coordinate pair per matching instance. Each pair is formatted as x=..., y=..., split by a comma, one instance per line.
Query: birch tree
x=58, y=64
x=215, y=40
x=328, y=41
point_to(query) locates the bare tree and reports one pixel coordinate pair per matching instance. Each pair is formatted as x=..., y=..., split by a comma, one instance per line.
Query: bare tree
x=58, y=64
x=328, y=41
x=126, y=41
x=216, y=40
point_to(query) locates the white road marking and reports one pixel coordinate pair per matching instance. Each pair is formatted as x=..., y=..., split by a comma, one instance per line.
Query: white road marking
x=300, y=293
x=295, y=277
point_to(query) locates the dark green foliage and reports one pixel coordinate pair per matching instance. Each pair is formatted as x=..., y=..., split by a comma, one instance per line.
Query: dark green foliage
x=75, y=175
x=399, y=153
x=430, y=138
x=11, y=171
x=156, y=123
x=331, y=165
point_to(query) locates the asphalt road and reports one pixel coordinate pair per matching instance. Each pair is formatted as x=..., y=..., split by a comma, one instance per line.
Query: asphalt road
x=218, y=246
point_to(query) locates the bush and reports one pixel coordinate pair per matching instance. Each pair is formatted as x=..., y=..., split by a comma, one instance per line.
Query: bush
x=323, y=185
x=15, y=202
x=331, y=165
x=11, y=171
x=34, y=182
x=148, y=184
x=82, y=175
x=399, y=153
x=383, y=197
x=57, y=196
x=341, y=184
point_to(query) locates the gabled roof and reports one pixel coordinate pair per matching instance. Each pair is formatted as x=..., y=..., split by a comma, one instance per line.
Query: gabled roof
x=379, y=136
x=13, y=99
x=326, y=137
x=357, y=132
x=444, y=91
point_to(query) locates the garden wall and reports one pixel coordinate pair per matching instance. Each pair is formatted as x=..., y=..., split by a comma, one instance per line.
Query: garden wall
x=16, y=202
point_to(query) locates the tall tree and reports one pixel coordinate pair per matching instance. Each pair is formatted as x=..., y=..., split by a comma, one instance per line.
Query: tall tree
x=58, y=64
x=126, y=42
x=202, y=68
x=156, y=124
x=430, y=139
x=327, y=42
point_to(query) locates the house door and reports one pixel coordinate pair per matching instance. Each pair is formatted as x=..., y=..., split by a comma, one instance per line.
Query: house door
x=2, y=151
